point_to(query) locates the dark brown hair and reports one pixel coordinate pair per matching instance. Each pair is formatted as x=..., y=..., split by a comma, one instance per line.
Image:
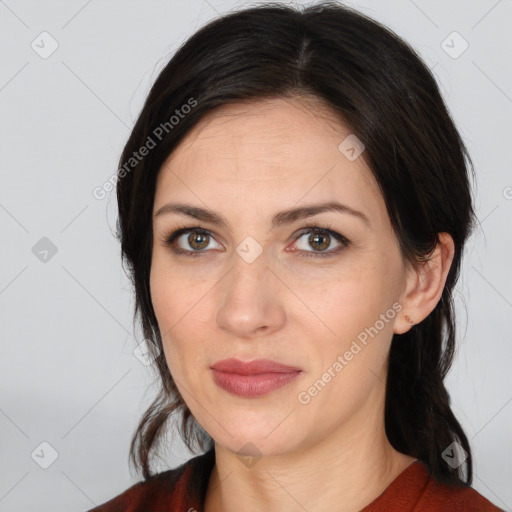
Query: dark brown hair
x=379, y=87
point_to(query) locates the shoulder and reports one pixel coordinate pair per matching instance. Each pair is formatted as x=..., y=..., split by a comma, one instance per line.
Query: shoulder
x=174, y=489
x=416, y=489
x=439, y=496
x=434, y=495
x=145, y=495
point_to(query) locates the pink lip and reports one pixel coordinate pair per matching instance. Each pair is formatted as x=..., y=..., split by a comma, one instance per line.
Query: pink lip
x=254, y=378
x=256, y=367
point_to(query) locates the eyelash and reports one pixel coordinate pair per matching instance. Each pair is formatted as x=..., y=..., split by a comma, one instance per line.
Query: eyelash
x=171, y=237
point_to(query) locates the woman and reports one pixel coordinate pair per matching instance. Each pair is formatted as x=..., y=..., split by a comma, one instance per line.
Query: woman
x=294, y=200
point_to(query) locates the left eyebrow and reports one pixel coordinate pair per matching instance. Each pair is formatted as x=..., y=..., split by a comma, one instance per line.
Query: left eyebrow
x=279, y=219
x=294, y=214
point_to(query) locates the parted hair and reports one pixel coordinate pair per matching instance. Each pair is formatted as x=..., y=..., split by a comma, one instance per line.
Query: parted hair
x=378, y=86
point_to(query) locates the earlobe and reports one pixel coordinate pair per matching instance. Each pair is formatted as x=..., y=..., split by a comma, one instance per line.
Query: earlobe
x=409, y=320
x=425, y=284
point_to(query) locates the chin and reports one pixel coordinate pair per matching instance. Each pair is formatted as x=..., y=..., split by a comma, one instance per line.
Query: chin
x=257, y=440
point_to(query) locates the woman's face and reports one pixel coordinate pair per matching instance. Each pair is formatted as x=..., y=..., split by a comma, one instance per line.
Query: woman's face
x=269, y=284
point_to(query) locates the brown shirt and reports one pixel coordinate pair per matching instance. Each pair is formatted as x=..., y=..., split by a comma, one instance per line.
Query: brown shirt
x=184, y=489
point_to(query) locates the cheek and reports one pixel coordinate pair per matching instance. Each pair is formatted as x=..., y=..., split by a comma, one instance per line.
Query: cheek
x=179, y=304
x=162, y=286
x=172, y=294
x=355, y=315
x=344, y=301
x=168, y=308
x=349, y=361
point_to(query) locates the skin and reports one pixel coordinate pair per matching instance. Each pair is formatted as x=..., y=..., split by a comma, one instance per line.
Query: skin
x=247, y=162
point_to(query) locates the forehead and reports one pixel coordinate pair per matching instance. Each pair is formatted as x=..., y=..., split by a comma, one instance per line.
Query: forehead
x=275, y=129
x=282, y=149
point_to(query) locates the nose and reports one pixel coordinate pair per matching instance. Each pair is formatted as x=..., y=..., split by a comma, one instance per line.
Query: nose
x=250, y=302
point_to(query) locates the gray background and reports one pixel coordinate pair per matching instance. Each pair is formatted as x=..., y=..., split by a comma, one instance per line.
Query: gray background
x=68, y=375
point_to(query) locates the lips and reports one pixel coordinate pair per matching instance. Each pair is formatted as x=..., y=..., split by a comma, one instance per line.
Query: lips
x=254, y=378
x=256, y=367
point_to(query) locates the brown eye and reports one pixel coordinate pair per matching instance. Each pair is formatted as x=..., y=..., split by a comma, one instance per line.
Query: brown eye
x=198, y=240
x=195, y=242
x=190, y=241
x=319, y=241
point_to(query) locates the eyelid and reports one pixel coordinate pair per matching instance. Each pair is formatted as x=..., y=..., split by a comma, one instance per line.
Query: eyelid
x=170, y=238
x=309, y=227
x=312, y=227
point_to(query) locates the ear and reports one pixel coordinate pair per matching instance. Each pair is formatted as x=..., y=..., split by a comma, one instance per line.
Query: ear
x=424, y=286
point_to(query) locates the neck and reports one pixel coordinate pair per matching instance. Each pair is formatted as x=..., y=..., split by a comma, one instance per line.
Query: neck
x=344, y=472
